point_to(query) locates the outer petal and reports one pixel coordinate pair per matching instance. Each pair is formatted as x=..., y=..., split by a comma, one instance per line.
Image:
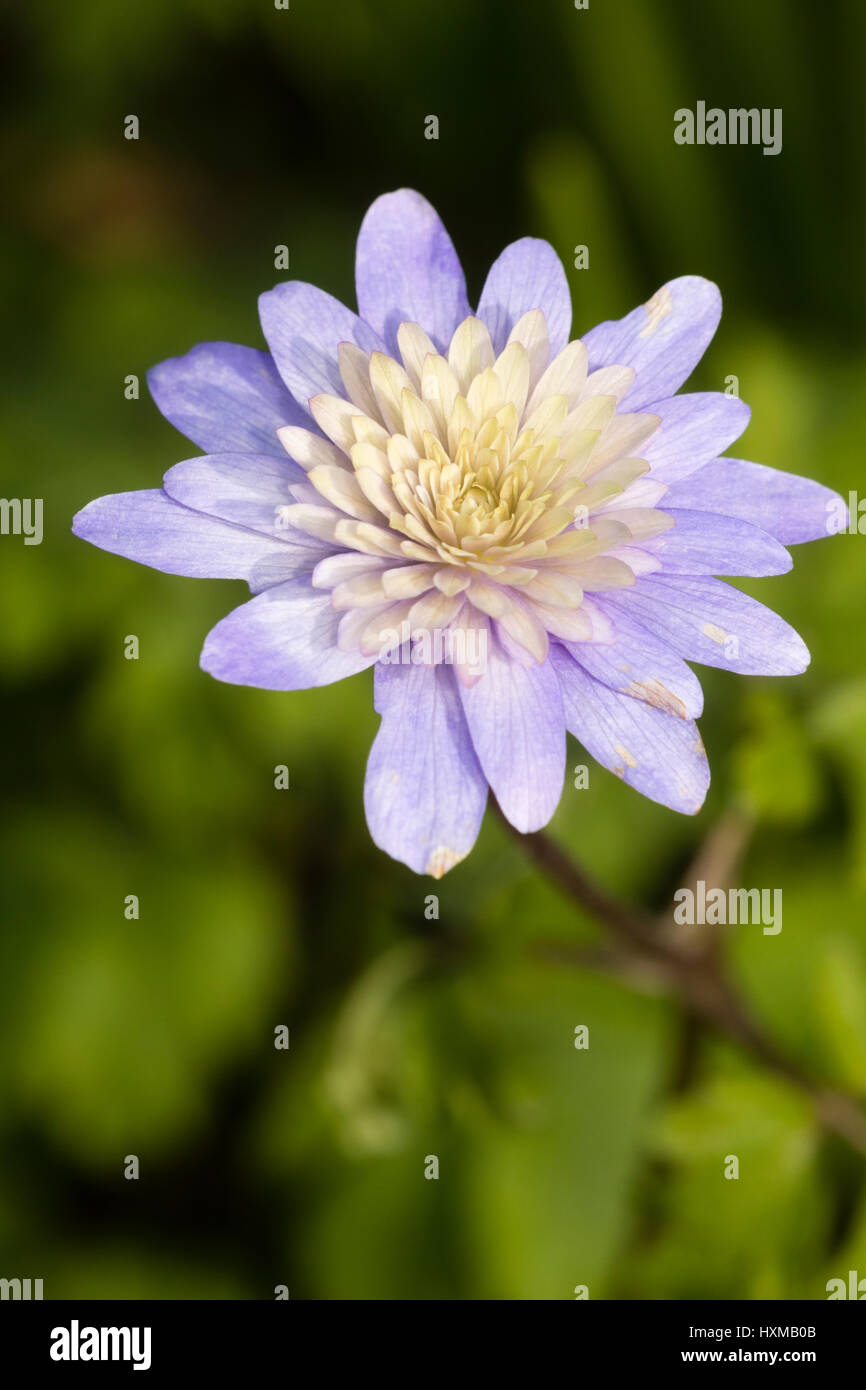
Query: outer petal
x=406, y=269
x=517, y=725
x=656, y=753
x=701, y=543
x=285, y=639
x=663, y=340
x=528, y=275
x=694, y=428
x=707, y=620
x=304, y=326
x=425, y=792
x=641, y=665
x=225, y=398
x=154, y=530
x=247, y=489
x=791, y=508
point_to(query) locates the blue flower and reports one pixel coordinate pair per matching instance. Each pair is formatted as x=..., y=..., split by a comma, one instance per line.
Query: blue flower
x=520, y=532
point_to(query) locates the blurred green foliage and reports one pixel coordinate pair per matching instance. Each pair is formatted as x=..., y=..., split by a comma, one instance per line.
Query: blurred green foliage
x=258, y=907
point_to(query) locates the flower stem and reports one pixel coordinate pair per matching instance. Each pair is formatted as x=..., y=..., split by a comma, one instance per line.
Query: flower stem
x=699, y=980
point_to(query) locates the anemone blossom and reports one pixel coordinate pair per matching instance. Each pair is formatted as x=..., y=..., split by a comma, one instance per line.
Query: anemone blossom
x=518, y=530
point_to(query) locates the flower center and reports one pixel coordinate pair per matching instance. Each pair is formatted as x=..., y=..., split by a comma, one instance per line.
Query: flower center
x=470, y=486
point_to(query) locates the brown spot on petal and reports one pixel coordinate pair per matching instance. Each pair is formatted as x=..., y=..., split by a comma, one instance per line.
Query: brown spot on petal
x=624, y=753
x=658, y=308
x=654, y=693
x=716, y=634
x=441, y=860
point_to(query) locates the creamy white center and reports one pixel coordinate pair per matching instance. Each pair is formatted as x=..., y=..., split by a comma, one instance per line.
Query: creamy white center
x=469, y=487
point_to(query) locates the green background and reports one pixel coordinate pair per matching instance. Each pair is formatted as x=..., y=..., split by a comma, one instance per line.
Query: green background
x=260, y=907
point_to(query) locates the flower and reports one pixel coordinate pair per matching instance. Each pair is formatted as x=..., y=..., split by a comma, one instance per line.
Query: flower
x=520, y=532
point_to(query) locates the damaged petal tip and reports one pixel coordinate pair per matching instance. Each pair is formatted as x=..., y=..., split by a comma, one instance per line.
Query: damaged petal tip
x=443, y=859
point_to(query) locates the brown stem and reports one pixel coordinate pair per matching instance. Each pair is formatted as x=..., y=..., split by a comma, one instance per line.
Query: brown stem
x=699, y=980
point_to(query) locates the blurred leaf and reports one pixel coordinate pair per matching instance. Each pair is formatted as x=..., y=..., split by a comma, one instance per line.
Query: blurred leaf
x=571, y=191
x=775, y=767
x=840, y=722
x=840, y=997
x=119, y=1024
x=736, y=1237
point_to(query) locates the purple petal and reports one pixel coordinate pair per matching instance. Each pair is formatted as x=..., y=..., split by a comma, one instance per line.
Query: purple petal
x=707, y=620
x=225, y=398
x=247, y=489
x=663, y=340
x=641, y=665
x=304, y=326
x=528, y=275
x=791, y=508
x=517, y=725
x=424, y=793
x=285, y=639
x=406, y=270
x=694, y=429
x=703, y=543
x=656, y=753
x=154, y=530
